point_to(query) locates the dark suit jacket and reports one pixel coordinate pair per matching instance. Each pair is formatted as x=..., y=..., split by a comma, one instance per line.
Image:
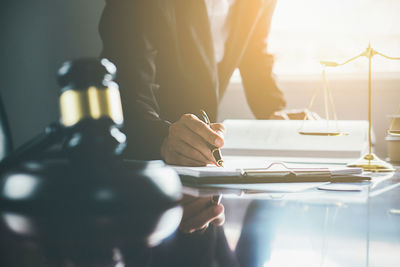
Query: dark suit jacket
x=166, y=65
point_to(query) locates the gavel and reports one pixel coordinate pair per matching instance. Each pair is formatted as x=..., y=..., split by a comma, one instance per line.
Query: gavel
x=87, y=206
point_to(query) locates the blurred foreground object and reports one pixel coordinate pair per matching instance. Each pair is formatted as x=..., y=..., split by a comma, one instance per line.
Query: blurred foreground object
x=85, y=205
x=5, y=136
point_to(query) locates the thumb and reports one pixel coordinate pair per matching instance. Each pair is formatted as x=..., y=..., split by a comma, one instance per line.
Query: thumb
x=218, y=128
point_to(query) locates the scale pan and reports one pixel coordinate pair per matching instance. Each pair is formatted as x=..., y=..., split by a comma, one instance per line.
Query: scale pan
x=323, y=133
x=394, y=132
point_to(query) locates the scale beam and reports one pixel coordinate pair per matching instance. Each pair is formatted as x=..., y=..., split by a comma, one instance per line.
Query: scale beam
x=369, y=161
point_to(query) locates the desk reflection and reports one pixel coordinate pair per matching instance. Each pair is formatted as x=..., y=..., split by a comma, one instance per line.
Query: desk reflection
x=331, y=229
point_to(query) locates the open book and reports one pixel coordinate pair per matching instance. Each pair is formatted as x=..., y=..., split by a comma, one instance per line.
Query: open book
x=280, y=138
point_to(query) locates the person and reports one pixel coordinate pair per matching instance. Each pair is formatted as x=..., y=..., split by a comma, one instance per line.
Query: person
x=175, y=58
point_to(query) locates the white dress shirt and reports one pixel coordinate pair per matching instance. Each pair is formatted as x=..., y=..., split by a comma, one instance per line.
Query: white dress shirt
x=218, y=13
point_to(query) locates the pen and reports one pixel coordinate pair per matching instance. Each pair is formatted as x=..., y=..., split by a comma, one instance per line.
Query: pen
x=216, y=199
x=215, y=151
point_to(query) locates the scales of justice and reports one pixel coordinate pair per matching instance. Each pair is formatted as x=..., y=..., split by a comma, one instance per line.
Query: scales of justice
x=369, y=161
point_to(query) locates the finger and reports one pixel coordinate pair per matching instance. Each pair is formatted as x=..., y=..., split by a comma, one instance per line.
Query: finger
x=309, y=115
x=207, y=215
x=200, y=128
x=276, y=117
x=186, y=150
x=186, y=199
x=192, y=208
x=297, y=115
x=219, y=128
x=315, y=116
x=185, y=161
x=188, y=229
x=303, y=115
x=220, y=220
x=175, y=158
x=201, y=230
x=283, y=115
x=194, y=140
x=202, y=219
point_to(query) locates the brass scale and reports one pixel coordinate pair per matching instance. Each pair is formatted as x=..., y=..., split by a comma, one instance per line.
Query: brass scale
x=369, y=161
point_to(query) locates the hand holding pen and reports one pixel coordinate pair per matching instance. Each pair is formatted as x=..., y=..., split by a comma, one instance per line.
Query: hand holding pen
x=214, y=150
x=216, y=199
x=198, y=214
x=190, y=141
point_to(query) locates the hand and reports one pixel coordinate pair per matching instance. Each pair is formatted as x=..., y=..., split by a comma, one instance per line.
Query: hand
x=198, y=213
x=190, y=140
x=295, y=114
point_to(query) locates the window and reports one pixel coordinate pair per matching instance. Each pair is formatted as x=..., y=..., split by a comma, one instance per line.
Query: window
x=307, y=31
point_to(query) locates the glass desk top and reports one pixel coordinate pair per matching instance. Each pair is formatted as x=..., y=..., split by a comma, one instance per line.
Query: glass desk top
x=319, y=226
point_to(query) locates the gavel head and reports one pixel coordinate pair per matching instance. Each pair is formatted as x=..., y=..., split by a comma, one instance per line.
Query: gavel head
x=90, y=108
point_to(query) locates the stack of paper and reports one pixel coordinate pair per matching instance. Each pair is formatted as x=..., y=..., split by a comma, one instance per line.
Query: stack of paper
x=253, y=171
x=249, y=142
x=273, y=138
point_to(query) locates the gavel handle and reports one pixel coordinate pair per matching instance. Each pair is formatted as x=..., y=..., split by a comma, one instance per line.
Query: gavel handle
x=53, y=133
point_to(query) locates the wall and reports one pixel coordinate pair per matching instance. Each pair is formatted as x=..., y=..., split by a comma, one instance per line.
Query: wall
x=36, y=37
x=350, y=94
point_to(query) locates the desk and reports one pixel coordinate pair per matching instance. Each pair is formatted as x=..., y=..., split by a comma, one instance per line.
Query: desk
x=323, y=228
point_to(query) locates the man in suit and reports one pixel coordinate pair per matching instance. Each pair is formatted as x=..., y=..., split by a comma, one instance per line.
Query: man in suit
x=176, y=57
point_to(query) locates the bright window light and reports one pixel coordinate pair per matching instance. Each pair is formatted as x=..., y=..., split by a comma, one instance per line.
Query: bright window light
x=305, y=32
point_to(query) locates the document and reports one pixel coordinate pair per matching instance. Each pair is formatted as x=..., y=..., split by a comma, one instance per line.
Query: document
x=257, y=170
x=205, y=190
x=281, y=138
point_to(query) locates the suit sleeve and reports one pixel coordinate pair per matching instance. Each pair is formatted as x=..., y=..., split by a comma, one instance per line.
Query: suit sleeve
x=262, y=93
x=126, y=42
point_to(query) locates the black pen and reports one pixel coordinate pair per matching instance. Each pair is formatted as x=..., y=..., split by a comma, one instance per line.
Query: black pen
x=215, y=150
x=216, y=200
